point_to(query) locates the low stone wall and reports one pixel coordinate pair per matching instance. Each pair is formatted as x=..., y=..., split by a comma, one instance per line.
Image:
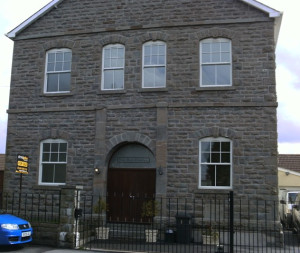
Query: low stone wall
x=61, y=233
x=45, y=233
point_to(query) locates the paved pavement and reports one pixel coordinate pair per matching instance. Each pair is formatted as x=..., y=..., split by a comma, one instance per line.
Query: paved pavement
x=30, y=248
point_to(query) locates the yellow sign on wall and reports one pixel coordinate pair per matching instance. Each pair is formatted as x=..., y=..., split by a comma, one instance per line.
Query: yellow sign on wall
x=22, y=164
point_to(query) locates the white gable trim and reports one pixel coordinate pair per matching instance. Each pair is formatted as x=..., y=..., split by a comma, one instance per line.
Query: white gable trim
x=272, y=12
x=13, y=33
x=277, y=15
x=289, y=171
x=53, y=4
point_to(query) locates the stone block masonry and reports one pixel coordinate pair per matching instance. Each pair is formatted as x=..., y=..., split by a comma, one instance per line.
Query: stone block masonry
x=168, y=121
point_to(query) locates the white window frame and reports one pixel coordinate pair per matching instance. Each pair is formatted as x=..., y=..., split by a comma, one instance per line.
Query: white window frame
x=112, y=68
x=215, y=63
x=51, y=141
x=63, y=50
x=154, y=66
x=220, y=139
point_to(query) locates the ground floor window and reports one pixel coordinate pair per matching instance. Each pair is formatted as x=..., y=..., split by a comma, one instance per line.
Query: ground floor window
x=215, y=163
x=53, y=162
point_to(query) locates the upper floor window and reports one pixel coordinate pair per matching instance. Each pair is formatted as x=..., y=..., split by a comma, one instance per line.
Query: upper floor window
x=215, y=62
x=215, y=163
x=154, y=64
x=53, y=162
x=58, y=71
x=113, y=59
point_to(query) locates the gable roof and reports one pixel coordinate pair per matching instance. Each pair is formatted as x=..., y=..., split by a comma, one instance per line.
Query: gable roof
x=272, y=12
x=277, y=15
x=54, y=3
x=2, y=161
x=290, y=162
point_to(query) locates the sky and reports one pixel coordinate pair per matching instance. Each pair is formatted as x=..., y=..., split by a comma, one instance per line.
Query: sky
x=13, y=12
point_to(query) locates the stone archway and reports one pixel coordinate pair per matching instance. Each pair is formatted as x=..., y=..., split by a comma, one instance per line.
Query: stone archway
x=131, y=181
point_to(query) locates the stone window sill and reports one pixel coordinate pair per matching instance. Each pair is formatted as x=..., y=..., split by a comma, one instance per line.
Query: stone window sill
x=66, y=94
x=152, y=90
x=226, y=88
x=104, y=92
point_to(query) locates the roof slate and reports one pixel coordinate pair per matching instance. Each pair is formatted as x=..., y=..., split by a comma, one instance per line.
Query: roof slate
x=290, y=162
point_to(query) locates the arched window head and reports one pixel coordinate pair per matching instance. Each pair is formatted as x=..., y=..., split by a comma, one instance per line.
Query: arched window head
x=58, y=71
x=53, y=162
x=113, y=61
x=215, y=62
x=215, y=163
x=154, y=64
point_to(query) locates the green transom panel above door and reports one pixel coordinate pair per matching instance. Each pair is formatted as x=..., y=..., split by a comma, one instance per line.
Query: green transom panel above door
x=132, y=156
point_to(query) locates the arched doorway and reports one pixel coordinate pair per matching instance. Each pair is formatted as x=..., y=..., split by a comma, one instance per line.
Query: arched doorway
x=130, y=183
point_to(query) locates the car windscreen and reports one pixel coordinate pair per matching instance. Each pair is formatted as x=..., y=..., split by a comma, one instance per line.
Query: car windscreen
x=292, y=197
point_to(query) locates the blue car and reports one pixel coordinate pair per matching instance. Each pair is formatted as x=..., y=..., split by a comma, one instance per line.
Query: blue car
x=14, y=230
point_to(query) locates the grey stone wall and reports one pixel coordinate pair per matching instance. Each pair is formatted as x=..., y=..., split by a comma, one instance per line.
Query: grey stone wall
x=82, y=16
x=253, y=68
x=91, y=120
x=27, y=130
x=254, y=148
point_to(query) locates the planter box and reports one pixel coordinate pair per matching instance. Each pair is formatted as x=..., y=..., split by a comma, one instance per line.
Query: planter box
x=170, y=236
x=151, y=235
x=102, y=233
x=211, y=240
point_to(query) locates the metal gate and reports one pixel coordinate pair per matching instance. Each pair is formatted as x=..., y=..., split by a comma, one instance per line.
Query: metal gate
x=164, y=225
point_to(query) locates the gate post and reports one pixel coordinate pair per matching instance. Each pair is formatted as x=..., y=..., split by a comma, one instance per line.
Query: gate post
x=67, y=229
x=231, y=221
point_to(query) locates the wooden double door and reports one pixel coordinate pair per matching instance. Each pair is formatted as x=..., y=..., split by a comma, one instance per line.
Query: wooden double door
x=128, y=189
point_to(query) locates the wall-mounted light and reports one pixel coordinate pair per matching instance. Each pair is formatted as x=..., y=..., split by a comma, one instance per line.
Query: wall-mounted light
x=160, y=170
x=97, y=170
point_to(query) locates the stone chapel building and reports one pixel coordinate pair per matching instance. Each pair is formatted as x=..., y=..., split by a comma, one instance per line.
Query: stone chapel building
x=171, y=98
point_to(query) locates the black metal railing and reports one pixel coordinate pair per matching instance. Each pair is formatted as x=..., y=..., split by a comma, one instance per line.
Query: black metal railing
x=183, y=224
x=36, y=207
x=202, y=223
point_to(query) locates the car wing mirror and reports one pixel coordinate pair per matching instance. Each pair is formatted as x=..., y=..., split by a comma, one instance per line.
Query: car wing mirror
x=282, y=201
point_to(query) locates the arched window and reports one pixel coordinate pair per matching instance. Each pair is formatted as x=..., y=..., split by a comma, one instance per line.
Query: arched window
x=215, y=62
x=154, y=64
x=215, y=163
x=58, y=71
x=53, y=162
x=113, y=58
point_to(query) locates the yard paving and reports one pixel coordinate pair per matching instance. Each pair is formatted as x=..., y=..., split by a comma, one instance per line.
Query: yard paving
x=32, y=248
x=292, y=245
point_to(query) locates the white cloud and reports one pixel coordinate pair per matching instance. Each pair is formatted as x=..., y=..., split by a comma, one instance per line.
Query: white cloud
x=4, y=97
x=288, y=148
x=3, y=128
x=288, y=38
x=288, y=94
x=16, y=11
